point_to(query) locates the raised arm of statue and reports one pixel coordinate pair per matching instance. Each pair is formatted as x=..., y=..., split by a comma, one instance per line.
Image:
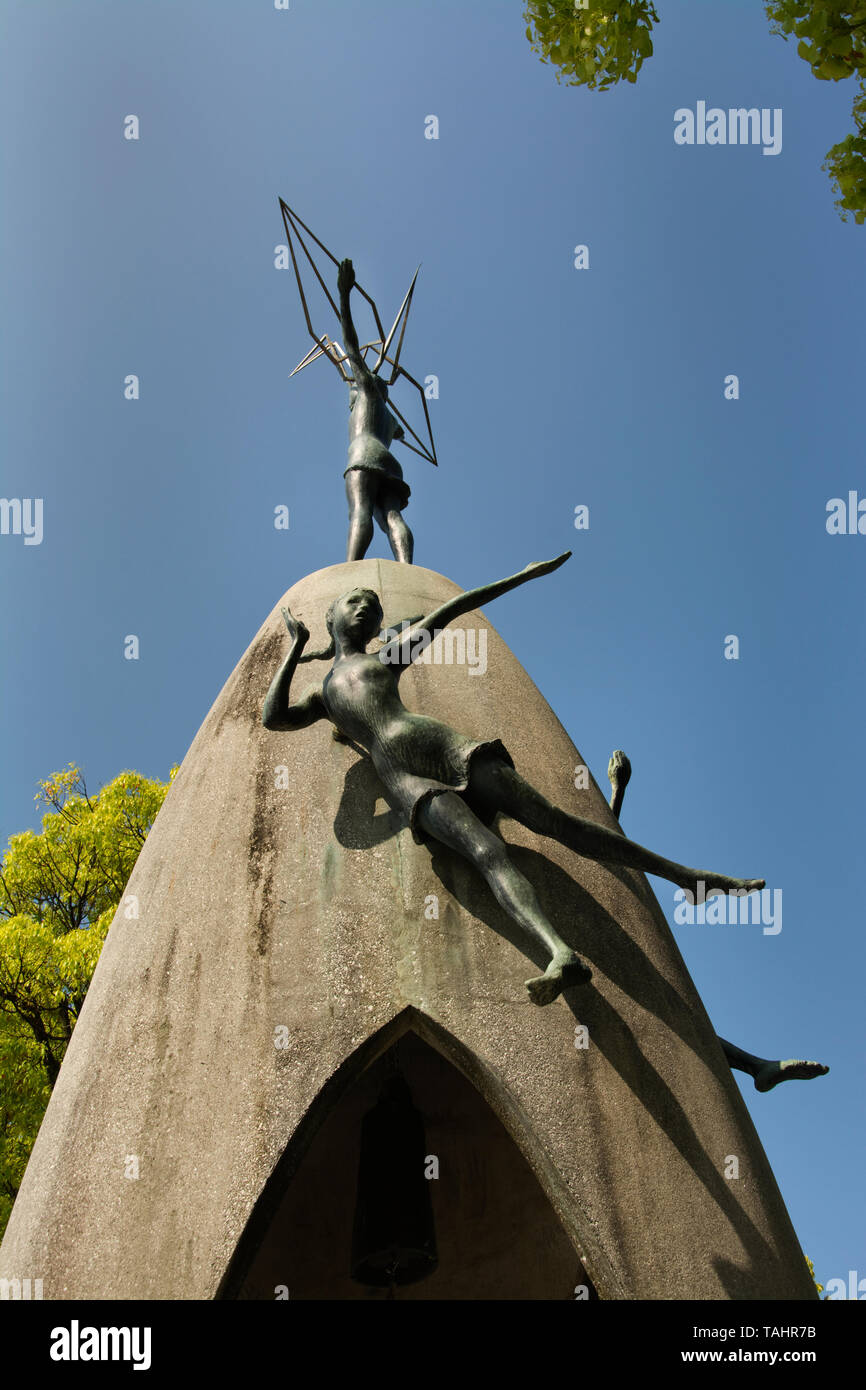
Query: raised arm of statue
x=345, y=281
x=467, y=602
x=278, y=713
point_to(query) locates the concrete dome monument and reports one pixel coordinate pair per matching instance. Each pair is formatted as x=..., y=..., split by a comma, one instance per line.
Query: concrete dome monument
x=333, y=944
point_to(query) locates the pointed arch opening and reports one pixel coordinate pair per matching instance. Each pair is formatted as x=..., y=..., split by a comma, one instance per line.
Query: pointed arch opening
x=496, y=1233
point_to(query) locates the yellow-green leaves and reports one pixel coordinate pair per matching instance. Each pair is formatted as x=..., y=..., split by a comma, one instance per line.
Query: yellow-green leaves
x=832, y=33
x=819, y=1287
x=846, y=164
x=59, y=890
x=832, y=40
x=594, y=47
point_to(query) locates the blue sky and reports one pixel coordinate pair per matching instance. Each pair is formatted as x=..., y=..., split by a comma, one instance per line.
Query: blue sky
x=558, y=387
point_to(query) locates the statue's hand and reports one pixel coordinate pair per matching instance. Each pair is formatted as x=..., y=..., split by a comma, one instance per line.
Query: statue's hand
x=619, y=769
x=345, y=277
x=546, y=566
x=298, y=632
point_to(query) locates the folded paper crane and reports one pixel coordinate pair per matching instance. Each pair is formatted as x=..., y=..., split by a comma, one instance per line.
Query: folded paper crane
x=384, y=345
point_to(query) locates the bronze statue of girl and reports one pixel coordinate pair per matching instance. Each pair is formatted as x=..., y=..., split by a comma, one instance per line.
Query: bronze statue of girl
x=450, y=787
x=375, y=486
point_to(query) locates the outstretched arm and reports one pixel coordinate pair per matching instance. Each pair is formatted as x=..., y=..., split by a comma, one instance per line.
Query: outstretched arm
x=278, y=713
x=345, y=281
x=463, y=603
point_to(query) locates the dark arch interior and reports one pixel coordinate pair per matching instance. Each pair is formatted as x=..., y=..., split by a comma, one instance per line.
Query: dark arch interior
x=496, y=1233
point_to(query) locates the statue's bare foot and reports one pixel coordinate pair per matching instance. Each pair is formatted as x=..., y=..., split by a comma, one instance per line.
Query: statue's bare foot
x=563, y=973
x=793, y=1070
x=721, y=883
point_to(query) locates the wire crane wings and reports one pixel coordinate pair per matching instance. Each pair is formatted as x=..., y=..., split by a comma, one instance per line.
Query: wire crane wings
x=326, y=346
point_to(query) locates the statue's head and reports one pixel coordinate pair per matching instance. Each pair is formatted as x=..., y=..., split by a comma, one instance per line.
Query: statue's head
x=381, y=387
x=358, y=612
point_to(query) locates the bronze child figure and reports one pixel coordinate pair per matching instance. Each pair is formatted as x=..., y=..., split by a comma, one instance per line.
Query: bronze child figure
x=375, y=486
x=450, y=787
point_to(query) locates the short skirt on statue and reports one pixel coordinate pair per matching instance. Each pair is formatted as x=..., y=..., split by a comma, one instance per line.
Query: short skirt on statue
x=374, y=458
x=430, y=760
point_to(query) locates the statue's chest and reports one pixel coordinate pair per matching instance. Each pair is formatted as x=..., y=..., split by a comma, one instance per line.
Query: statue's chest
x=357, y=689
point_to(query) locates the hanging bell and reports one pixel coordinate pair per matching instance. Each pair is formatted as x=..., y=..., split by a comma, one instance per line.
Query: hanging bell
x=394, y=1241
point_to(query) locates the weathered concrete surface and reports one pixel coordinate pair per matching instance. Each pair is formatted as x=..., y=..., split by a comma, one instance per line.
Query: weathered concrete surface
x=305, y=907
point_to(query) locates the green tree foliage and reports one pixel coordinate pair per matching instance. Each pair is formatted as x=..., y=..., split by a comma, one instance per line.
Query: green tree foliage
x=594, y=47
x=607, y=42
x=832, y=36
x=832, y=33
x=58, y=893
x=819, y=1287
